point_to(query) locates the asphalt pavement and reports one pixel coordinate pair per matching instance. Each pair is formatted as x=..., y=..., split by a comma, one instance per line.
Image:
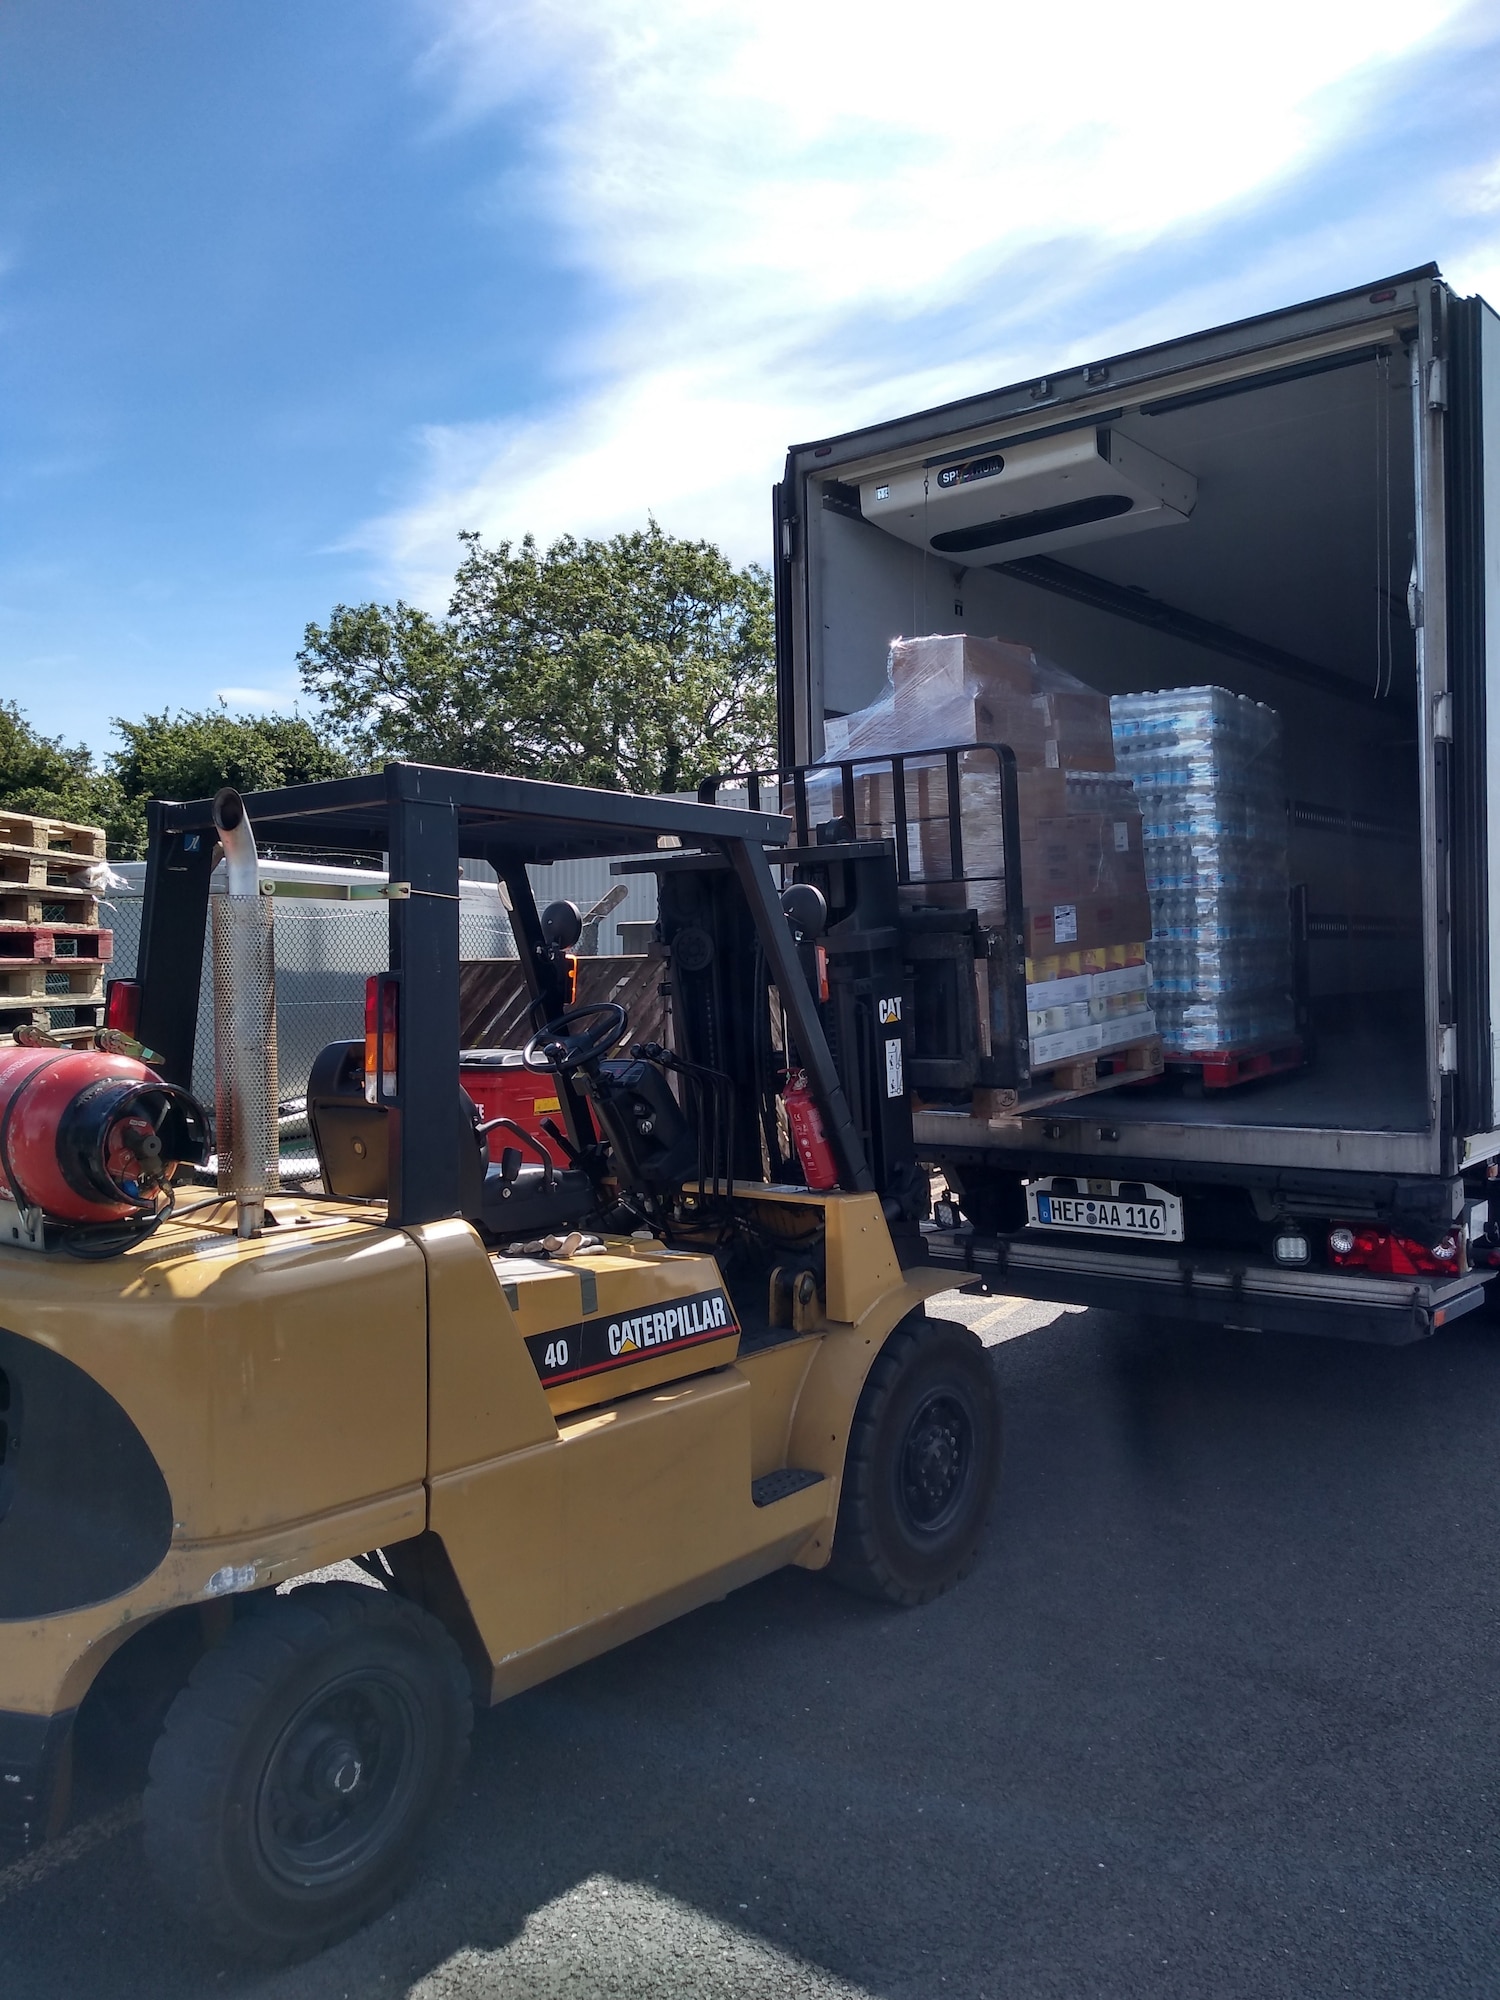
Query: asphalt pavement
x=1216, y=1716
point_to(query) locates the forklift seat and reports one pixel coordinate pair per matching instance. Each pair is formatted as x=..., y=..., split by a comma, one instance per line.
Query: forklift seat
x=349, y=1136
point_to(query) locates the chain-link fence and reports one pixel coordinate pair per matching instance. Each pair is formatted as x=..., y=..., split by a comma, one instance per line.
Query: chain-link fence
x=332, y=932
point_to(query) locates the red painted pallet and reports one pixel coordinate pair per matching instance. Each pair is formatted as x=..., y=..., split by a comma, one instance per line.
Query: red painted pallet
x=1222, y=1069
x=80, y=944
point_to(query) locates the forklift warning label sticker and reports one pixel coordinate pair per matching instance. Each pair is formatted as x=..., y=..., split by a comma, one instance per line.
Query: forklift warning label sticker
x=612, y=1342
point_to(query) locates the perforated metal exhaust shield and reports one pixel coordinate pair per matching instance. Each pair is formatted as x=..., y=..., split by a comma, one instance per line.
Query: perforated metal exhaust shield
x=245, y=1095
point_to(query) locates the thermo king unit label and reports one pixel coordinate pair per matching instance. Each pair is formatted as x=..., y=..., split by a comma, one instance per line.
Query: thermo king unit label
x=1065, y=923
x=1122, y=836
x=615, y=1340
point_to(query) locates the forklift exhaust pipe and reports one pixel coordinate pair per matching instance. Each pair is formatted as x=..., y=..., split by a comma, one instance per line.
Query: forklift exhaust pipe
x=244, y=962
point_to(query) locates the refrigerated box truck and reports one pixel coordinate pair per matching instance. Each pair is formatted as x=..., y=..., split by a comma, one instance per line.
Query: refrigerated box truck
x=1303, y=508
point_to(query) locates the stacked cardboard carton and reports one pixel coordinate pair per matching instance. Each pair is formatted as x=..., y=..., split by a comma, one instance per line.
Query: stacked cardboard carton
x=1086, y=912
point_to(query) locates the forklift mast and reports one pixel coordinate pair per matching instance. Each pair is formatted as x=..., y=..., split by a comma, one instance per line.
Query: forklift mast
x=848, y=964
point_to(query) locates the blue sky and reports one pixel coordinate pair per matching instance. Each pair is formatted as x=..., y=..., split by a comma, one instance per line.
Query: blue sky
x=293, y=290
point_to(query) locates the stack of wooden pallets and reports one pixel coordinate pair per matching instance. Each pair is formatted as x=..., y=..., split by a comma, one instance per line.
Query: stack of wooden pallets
x=53, y=952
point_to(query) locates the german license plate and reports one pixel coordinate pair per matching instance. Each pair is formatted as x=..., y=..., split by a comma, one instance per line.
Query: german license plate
x=1105, y=1208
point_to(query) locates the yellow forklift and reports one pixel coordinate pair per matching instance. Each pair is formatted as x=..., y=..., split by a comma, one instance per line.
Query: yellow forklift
x=543, y=1407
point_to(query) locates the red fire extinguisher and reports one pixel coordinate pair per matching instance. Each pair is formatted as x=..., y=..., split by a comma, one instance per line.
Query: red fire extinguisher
x=808, y=1136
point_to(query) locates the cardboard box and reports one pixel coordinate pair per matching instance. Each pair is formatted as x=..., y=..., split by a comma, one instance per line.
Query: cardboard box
x=1084, y=922
x=1092, y=1040
x=1069, y=963
x=956, y=688
x=939, y=665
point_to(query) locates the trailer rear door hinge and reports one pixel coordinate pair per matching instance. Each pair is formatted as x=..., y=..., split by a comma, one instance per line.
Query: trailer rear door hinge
x=1437, y=386
x=1442, y=717
x=1447, y=1048
x=1414, y=601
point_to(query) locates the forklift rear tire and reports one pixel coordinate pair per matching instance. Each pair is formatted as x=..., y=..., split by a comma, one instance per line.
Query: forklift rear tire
x=923, y=1458
x=300, y=1766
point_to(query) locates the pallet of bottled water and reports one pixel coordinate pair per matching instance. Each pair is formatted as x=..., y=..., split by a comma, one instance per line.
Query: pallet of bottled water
x=1206, y=765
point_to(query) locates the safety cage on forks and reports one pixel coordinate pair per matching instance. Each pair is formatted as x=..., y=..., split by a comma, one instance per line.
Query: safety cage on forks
x=965, y=979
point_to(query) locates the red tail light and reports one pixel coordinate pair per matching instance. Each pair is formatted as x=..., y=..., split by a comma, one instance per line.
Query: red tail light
x=380, y=1038
x=1391, y=1256
x=122, y=1005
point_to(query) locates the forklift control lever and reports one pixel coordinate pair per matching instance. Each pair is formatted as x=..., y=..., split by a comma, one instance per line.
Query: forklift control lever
x=527, y=1138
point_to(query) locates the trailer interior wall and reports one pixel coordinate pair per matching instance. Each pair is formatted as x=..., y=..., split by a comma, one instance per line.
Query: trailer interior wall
x=1301, y=541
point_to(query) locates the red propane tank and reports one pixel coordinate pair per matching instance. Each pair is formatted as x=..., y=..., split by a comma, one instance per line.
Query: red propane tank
x=808, y=1136
x=89, y=1137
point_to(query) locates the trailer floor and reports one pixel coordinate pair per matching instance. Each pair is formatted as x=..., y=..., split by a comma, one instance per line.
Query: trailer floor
x=1364, y=1080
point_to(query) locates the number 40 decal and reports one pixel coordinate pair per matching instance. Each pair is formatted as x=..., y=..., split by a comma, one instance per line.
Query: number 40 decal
x=556, y=1355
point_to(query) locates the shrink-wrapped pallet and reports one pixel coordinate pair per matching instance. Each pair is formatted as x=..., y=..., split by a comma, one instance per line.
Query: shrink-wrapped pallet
x=1082, y=877
x=1081, y=854
x=1207, y=771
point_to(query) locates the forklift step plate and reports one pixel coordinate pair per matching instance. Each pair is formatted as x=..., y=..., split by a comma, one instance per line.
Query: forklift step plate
x=781, y=1484
x=1104, y=1208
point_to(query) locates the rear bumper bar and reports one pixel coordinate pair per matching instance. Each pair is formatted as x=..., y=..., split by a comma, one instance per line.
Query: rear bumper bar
x=1254, y=1296
x=33, y=1769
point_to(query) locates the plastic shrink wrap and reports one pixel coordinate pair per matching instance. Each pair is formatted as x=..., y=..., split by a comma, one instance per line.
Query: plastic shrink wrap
x=1207, y=772
x=1086, y=911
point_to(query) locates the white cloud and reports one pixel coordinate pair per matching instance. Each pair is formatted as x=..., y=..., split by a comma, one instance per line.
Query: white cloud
x=774, y=196
x=272, y=700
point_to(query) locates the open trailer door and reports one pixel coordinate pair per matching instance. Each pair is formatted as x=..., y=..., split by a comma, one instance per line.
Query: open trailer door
x=1473, y=508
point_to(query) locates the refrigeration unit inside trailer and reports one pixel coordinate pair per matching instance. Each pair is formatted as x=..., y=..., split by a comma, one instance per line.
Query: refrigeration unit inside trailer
x=993, y=500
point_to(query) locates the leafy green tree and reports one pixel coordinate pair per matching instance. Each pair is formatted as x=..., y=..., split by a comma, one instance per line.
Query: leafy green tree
x=192, y=754
x=640, y=663
x=184, y=756
x=43, y=775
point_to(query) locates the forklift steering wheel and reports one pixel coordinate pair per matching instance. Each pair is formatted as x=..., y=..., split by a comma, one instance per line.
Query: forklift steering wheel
x=557, y=1047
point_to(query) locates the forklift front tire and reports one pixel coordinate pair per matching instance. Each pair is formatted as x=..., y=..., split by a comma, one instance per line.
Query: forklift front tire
x=301, y=1765
x=920, y=1472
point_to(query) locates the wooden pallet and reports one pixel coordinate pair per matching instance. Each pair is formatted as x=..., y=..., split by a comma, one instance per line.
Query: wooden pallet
x=1080, y=1076
x=53, y=952
x=68, y=1019
x=48, y=906
x=81, y=944
x=51, y=836
x=1224, y=1068
x=24, y=868
x=65, y=980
